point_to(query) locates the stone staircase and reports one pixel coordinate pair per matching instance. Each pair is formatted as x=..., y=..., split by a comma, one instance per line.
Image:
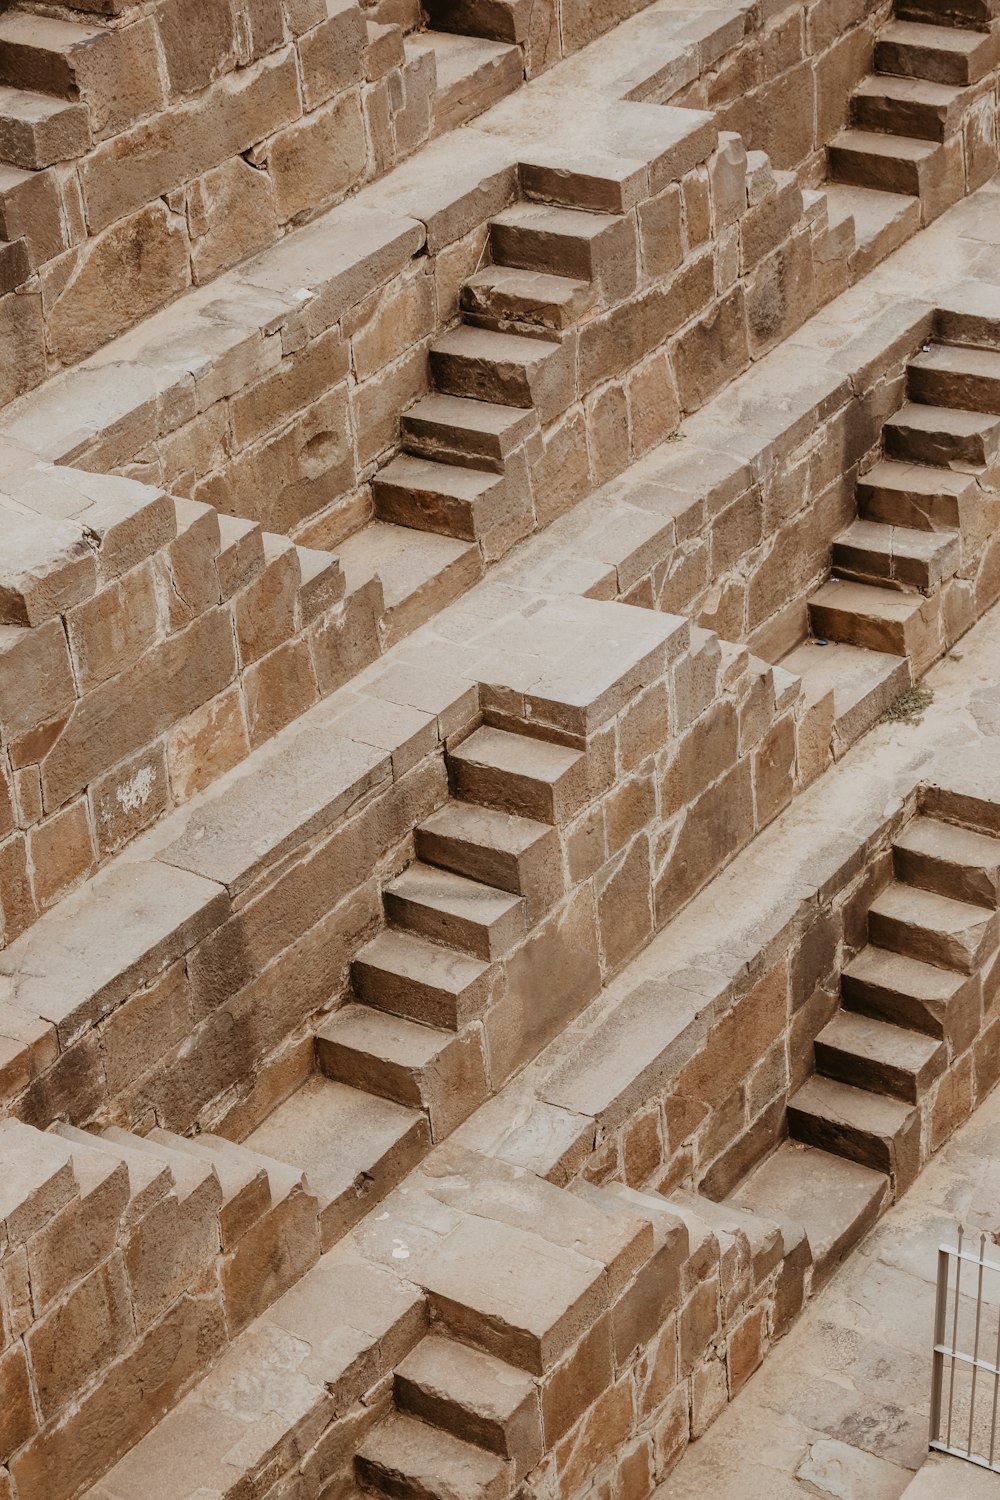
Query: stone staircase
x=912, y=572
x=911, y=1002
x=407, y=1059
x=919, y=124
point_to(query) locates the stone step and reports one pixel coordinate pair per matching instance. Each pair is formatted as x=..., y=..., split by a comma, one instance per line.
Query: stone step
x=953, y=375
x=410, y=976
x=932, y=928
x=835, y=1200
x=908, y=106
x=410, y=1460
x=441, y=497
x=505, y=369
x=455, y=430
x=949, y=859
x=970, y=317
x=896, y=556
x=518, y=774
x=465, y=914
x=246, y=1189
x=473, y=1396
x=941, y=54
x=863, y=683
x=419, y=570
x=878, y=619
x=882, y=221
x=196, y=1181
x=48, y=55
x=941, y=435
x=532, y=302
x=438, y=1071
x=915, y=495
x=321, y=582
x=879, y=1056
x=500, y=849
x=150, y=1177
x=352, y=1146
x=37, y=130
x=240, y=560
x=269, y=1224
x=592, y=247
x=889, y=163
x=37, y=1179
x=872, y=1129
x=473, y=73
x=500, y=20
x=977, y=15
x=893, y=987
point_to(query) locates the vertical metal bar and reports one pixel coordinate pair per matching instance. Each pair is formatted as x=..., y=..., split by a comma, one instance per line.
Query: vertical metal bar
x=940, y=1315
x=975, y=1346
x=996, y=1393
x=954, y=1333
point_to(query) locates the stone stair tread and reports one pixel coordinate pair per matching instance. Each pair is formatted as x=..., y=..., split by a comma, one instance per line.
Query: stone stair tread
x=917, y=907
x=519, y=754
x=879, y=1041
x=507, y=833
x=461, y=411
x=489, y=345
x=420, y=571
x=458, y=909
x=282, y=1177
x=189, y=1171
x=410, y=975
x=919, y=479
x=150, y=1177
x=893, y=147
x=341, y=1137
x=538, y=297
x=235, y=1173
x=882, y=221
x=962, y=359
x=471, y=73
x=950, y=419
x=917, y=90
x=442, y=1379
x=38, y=129
x=835, y=1200
x=901, y=974
x=398, y=1041
x=866, y=599
x=410, y=1459
x=446, y=479
x=893, y=556
x=924, y=496
x=952, y=54
x=856, y=1109
x=864, y=683
x=553, y=219
x=949, y=841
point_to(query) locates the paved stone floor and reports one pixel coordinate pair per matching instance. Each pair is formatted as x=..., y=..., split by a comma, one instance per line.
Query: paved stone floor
x=840, y=1409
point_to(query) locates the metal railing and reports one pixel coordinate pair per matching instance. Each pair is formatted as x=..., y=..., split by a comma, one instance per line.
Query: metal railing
x=965, y=1389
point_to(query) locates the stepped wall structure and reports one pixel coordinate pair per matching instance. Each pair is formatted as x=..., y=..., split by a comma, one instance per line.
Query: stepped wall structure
x=499, y=794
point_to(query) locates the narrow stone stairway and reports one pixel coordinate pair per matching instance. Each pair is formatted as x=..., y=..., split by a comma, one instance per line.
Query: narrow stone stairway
x=908, y=574
x=910, y=1001
x=898, y=164
x=404, y=1062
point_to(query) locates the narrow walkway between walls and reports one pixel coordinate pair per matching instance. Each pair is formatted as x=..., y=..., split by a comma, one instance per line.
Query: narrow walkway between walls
x=840, y=1409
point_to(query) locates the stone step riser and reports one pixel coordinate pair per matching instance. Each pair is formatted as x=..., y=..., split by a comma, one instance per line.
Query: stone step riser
x=891, y=1155
x=919, y=121
x=946, y=950
x=877, y=1076
x=975, y=15
x=536, y=875
x=424, y=509
x=962, y=392
x=920, y=58
x=919, y=512
x=431, y=1005
x=548, y=385
x=955, y=1022
x=891, y=568
x=940, y=448
x=885, y=173
x=481, y=940
x=961, y=882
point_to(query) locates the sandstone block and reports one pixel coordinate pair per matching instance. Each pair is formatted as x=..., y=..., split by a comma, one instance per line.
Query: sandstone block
x=279, y=688
x=112, y=630
x=62, y=854
x=46, y=568
x=332, y=55
x=36, y=679
x=17, y=1414
x=30, y=208
x=316, y=162
x=83, y=1333
x=207, y=743
x=128, y=799
x=101, y=288
x=231, y=214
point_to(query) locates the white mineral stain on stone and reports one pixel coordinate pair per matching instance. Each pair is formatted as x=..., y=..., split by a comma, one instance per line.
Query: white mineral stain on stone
x=132, y=794
x=399, y=1250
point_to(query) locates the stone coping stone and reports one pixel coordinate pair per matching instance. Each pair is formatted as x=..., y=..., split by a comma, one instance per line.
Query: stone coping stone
x=106, y=940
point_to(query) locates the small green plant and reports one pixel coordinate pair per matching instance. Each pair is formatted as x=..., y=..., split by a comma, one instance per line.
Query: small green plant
x=909, y=707
x=676, y=436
